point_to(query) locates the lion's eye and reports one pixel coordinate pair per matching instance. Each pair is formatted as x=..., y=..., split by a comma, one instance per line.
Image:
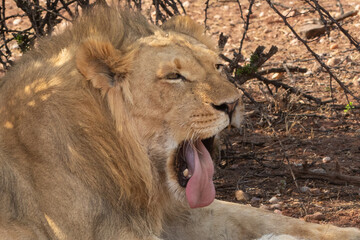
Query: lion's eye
x=219, y=67
x=175, y=76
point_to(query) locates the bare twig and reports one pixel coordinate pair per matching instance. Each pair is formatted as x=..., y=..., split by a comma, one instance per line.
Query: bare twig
x=206, y=12
x=282, y=70
x=241, y=11
x=278, y=84
x=239, y=56
x=222, y=41
x=53, y=12
x=340, y=6
x=335, y=177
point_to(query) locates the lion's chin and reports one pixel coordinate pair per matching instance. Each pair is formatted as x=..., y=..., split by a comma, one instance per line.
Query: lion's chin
x=194, y=169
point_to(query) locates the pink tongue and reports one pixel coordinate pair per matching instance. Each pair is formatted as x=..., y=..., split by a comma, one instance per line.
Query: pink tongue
x=200, y=190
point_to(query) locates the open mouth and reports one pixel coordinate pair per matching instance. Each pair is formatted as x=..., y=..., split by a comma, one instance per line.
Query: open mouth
x=183, y=164
x=195, y=170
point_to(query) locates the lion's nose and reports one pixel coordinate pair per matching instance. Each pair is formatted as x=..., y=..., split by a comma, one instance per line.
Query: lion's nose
x=226, y=107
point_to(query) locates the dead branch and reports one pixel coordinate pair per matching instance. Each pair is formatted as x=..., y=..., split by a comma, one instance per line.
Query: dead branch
x=260, y=57
x=45, y=15
x=293, y=90
x=340, y=6
x=222, y=41
x=257, y=59
x=166, y=9
x=238, y=55
x=334, y=177
x=282, y=70
x=206, y=12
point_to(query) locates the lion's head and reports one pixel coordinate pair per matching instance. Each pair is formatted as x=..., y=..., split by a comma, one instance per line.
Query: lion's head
x=173, y=89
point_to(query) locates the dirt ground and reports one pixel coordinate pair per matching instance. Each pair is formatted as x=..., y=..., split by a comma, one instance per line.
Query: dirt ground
x=305, y=155
x=282, y=134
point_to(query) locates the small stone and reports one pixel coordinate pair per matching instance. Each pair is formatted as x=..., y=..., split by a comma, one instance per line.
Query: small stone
x=275, y=206
x=226, y=8
x=294, y=42
x=17, y=21
x=265, y=207
x=14, y=46
x=274, y=200
x=289, y=12
x=267, y=30
x=334, y=46
x=357, y=7
x=234, y=166
x=356, y=81
x=312, y=30
x=318, y=216
x=277, y=211
x=357, y=132
x=223, y=163
x=304, y=189
x=333, y=61
x=255, y=200
x=217, y=17
x=326, y=159
x=186, y=4
x=318, y=171
x=277, y=76
x=308, y=73
x=322, y=128
x=261, y=14
x=315, y=191
x=242, y=196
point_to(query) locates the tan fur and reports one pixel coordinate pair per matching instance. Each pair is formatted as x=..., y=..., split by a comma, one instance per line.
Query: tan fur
x=90, y=122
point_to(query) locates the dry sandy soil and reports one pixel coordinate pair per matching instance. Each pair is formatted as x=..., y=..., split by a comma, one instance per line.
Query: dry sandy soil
x=288, y=147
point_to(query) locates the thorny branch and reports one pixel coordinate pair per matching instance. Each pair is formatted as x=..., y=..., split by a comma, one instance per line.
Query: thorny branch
x=206, y=12
x=293, y=90
x=238, y=55
x=45, y=15
x=166, y=8
x=327, y=68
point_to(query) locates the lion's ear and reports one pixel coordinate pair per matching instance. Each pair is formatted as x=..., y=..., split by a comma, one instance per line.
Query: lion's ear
x=185, y=25
x=101, y=63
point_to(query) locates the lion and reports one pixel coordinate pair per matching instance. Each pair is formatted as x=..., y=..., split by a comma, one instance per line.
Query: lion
x=105, y=133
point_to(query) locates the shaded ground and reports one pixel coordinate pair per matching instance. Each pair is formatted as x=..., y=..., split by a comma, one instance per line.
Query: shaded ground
x=255, y=163
x=282, y=133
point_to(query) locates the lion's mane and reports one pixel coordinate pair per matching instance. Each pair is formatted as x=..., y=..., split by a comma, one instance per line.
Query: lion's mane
x=54, y=121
